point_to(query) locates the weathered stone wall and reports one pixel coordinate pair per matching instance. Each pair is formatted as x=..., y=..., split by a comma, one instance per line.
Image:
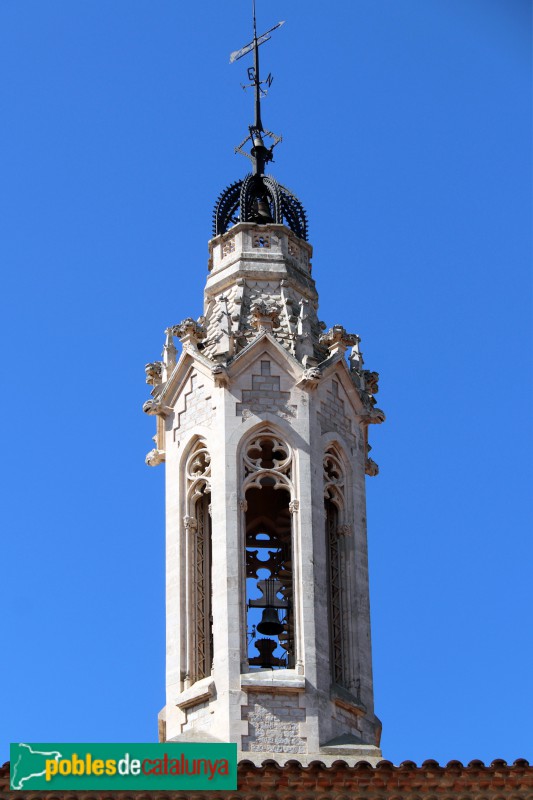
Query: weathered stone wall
x=273, y=724
x=197, y=717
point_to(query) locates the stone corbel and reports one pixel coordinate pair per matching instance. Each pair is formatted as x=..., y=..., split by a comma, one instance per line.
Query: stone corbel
x=243, y=504
x=337, y=340
x=294, y=506
x=154, y=457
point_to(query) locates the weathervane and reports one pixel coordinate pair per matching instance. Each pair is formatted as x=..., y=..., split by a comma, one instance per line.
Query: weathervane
x=260, y=154
x=258, y=198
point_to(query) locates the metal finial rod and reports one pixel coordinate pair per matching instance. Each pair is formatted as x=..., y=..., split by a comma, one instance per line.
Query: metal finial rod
x=259, y=153
x=257, y=83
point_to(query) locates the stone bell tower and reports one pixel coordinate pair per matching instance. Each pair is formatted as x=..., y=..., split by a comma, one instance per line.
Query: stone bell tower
x=262, y=423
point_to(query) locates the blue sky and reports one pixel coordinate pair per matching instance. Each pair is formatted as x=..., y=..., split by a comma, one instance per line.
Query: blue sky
x=407, y=135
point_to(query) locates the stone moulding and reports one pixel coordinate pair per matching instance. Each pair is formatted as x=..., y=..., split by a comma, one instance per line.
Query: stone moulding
x=200, y=692
x=343, y=700
x=279, y=682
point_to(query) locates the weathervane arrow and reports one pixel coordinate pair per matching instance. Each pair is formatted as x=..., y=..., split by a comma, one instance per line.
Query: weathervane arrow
x=249, y=47
x=259, y=154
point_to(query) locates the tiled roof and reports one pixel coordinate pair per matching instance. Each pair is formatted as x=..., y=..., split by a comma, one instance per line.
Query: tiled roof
x=385, y=781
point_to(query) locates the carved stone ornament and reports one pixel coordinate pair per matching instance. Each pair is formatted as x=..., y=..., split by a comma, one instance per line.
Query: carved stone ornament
x=265, y=317
x=220, y=375
x=294, y=506
x=156, y=408
x=344, y=530
x=154, y=372
x=334, y=478
x=189, y=523
x=356, y=357
x=371, y=468
x=310, y=378
x=370, y=381
x=338, y=340
x=198, y=473
x=266, y=455
x=189, y=331
x=374, y=416
x=243, y=505
x=154, y=457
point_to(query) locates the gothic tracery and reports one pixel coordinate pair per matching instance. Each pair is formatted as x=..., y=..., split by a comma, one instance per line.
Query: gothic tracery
x=268, y=507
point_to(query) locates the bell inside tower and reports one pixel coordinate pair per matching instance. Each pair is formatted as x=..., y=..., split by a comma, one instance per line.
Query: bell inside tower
x=269, y=573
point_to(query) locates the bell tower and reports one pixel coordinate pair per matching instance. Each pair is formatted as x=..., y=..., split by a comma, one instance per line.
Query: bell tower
x=262, y=421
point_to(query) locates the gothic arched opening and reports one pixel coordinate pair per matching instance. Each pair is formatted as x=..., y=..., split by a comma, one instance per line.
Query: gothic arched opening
x=334, y=508
x=198, y=544
x=268, y=545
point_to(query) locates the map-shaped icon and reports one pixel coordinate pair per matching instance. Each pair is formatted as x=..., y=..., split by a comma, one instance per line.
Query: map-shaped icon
x=28, y=763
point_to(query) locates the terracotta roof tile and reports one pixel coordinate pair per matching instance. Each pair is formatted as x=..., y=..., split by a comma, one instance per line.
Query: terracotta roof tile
x=385, y=781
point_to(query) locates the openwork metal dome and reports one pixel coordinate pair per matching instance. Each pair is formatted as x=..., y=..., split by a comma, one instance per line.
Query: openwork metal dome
x=260, y=199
